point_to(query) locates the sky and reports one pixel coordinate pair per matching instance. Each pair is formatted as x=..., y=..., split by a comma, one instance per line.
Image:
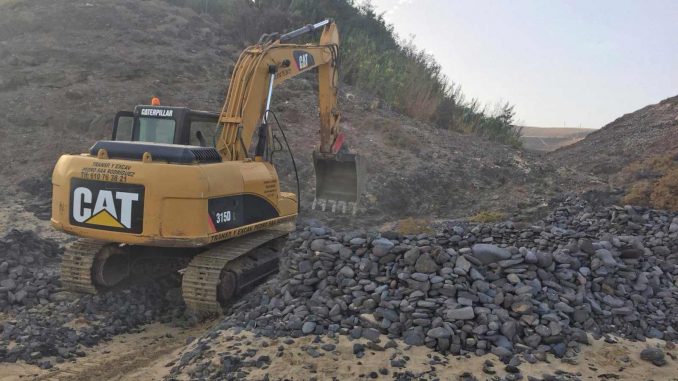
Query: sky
x=562, y=63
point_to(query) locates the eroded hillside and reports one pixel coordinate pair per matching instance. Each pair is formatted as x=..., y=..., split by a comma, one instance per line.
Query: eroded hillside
x=637, y=153
x=650, y=131
x=68, y=66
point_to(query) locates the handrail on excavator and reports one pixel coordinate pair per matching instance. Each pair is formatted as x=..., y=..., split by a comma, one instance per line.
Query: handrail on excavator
x=303, y=30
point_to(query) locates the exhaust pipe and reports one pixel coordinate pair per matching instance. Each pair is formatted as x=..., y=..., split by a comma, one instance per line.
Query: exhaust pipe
x=338, y=181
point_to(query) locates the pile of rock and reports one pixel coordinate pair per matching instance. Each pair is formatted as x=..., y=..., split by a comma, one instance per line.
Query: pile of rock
x=43, y=321
x=500, y=288
x=27, y=276
x=62, y=328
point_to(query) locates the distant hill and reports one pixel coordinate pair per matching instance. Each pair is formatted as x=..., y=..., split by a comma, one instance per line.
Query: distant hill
x=652, y=130
x=551, y=138
x=637, y=153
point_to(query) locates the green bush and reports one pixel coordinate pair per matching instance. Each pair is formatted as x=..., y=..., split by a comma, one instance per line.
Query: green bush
x=372, y=58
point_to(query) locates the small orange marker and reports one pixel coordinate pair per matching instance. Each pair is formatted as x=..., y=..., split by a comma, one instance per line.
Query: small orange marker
x=155, y=101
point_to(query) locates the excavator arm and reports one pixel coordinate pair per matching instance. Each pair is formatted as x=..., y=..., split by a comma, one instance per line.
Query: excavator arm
x=269, y=63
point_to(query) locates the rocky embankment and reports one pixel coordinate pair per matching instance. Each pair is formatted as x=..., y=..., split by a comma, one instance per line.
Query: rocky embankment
x=517, y=291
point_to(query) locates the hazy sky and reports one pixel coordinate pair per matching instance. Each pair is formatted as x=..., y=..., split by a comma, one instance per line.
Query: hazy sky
x=561, y=63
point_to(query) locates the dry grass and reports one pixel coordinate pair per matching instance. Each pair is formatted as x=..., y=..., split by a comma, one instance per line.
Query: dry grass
x=652, y=182
x=639, y=193
x=665, y=192
x=395, y=136
x=655, y=166
x=487, y=216
x=414, y=226
x=399, y=138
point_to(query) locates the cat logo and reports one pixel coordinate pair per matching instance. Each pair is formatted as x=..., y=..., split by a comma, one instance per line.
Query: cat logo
x=303, y=59
x=106, y=205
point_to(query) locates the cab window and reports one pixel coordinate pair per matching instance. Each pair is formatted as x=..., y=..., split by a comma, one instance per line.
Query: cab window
x=123, y=125
x=203, y=131
x=156, y=130
x=123, y=129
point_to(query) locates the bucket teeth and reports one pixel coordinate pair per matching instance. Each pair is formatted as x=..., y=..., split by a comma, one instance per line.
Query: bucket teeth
x=335, y=206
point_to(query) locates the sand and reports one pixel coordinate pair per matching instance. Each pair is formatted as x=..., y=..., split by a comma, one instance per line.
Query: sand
x=133, y=356
x=598, y=361
x=149, y=355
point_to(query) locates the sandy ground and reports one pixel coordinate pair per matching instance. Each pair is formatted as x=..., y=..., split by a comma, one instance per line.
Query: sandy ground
x=135, y=356
x=14, y=216
x=597, y=361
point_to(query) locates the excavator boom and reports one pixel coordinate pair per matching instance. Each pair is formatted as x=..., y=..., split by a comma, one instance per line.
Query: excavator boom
x=269, y=63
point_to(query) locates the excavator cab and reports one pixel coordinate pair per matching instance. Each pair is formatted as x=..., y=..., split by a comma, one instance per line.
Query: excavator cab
x=166, y=125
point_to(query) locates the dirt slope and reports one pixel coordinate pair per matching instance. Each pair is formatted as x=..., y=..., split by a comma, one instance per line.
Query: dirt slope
x=652, y=130
x=67, y=66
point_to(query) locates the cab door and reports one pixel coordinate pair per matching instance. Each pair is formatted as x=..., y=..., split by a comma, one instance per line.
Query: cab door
x=123, y=126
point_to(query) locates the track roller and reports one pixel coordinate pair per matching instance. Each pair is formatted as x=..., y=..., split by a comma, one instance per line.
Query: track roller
x=89, y=266
x=216, y=275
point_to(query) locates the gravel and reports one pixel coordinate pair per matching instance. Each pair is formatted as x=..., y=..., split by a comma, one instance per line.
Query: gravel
x=27, y=274
x=504, y=288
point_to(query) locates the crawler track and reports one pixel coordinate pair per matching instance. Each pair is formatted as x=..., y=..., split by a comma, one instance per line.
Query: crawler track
x=91, y=266
x=210, y=277
x=76, y=265
x=215, y=275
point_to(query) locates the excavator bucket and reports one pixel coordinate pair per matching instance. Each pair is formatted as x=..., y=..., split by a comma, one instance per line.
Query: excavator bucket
x=338, y=181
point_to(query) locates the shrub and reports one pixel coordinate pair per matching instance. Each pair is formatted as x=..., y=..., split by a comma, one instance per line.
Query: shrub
x=652, y=181
x=487, y=216
x=639, y=193
x=414, y=226
x=665, y=191
x=398, y=137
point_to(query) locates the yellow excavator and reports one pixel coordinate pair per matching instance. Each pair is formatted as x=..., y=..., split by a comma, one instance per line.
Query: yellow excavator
x=194, y=192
